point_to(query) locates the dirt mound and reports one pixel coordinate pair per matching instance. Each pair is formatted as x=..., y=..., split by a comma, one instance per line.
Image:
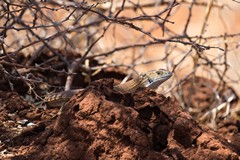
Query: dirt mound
x=99, y=123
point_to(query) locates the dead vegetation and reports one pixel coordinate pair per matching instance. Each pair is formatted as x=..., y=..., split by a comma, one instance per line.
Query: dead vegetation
x=50, y=46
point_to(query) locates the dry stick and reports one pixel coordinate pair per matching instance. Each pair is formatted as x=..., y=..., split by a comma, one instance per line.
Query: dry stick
x=6, y=76
x=216, y=5
x=152, y=17
x=234, y=35
x=168, y=14
x=181, y=81
x=10, y=59
x=225, y=66
x=119, y=21
x=29, y=69
x=54, y=24
x=236, y=1
x=218, y=108
x=78, y=62
x=85, y=8
x=155, y=17
x=159, y=41
x=116, y=20
x=198, y=55
x=186, y=55
x=19, y=21
x=40, y=40
x=209, y=8
x=121, y=9
x=149, y=17
x=189, y=17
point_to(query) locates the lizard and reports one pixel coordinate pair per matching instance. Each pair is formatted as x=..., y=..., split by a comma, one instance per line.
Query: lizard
x=151, y=79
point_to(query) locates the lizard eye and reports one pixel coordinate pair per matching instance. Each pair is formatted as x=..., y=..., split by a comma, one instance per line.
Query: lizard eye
x=159, y=73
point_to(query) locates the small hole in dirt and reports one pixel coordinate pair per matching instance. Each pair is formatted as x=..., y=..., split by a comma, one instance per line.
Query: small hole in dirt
x=145, y=130
x=41, y=127
x=208, y=99
x=204, y=92
x=126, y=140
x=238, y=124
x=159, y=147
x=147, y=112
x=112, y=120
x=202, y=85
x=213, y=148
x=98, y=152
x=232, y=130
x=76, y=108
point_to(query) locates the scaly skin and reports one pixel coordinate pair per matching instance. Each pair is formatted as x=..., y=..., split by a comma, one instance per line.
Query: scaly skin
x=58, y=99
x=151, y=79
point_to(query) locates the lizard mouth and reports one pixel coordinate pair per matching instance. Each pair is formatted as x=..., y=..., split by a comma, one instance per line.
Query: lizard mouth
x=167, y=76
x=155, y=84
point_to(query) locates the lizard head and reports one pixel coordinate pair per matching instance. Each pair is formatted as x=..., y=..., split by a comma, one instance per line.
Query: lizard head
x=155, y=78
x=163, y=74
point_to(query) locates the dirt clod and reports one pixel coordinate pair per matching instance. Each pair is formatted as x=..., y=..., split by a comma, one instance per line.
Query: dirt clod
x=99, y=123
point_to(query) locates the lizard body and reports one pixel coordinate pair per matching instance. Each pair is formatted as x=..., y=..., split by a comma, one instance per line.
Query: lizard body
x=58, y=99
x=151, y=79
